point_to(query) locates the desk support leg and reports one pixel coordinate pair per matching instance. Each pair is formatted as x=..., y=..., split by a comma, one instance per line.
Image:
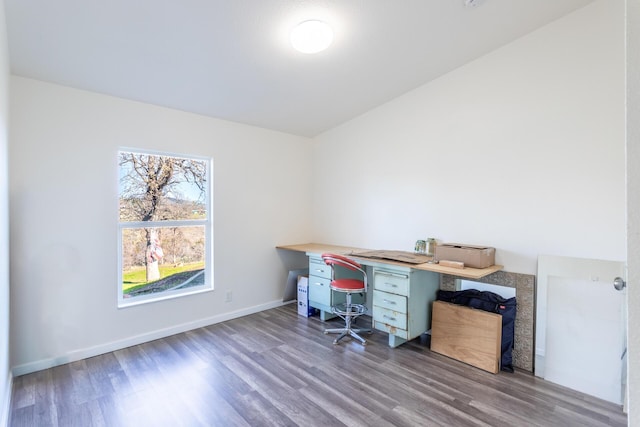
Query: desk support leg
x=395, y=341
x=326, y=315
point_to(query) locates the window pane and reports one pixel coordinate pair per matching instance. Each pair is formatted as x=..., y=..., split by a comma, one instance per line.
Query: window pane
x=161, y=188
x=162, y=259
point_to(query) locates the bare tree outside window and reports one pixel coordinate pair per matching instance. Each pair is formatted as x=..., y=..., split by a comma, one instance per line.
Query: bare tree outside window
x=164, y=222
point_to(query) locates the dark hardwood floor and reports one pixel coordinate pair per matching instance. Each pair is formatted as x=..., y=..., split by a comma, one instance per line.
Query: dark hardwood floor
x=276, y=368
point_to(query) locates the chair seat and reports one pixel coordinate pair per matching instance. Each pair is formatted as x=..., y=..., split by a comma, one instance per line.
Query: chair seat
x=348, y=285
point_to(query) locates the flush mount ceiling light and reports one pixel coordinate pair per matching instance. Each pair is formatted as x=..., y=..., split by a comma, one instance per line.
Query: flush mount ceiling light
x=311, y=36
x=473, y=3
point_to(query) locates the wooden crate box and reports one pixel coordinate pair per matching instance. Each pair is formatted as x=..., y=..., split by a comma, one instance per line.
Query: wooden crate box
x=469, y=335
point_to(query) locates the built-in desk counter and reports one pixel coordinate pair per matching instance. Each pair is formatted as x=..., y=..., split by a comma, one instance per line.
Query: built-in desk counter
x=402, y=292
x=320, y=248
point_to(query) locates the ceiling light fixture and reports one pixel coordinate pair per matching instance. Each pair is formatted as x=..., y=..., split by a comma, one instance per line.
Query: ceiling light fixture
x=472, y=3
x=311, y=36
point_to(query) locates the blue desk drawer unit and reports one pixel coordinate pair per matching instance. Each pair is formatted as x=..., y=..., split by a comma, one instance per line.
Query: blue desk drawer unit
x=390, y=301
x=392, y=282
x=318, y=268
x=318, y=291
x=402, y=302
x=390, y=321
x=320, y=294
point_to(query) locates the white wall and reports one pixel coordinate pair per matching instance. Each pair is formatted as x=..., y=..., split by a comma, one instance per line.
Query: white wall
x=522, y=149
x=5, y=376
x=633, y=206
x=63, y=178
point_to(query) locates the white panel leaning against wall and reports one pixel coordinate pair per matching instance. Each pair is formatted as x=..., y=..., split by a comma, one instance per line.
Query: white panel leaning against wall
x=165, y=233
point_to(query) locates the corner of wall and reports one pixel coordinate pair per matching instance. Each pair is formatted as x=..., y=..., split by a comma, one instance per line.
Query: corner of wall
x=6, y=380
x=5, y=404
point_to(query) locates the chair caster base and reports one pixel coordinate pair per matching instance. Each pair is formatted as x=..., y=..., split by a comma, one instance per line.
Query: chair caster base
x=353, y=333
x=336, y=342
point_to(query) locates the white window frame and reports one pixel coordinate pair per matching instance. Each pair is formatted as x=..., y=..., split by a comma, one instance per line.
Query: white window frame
x=207, y=223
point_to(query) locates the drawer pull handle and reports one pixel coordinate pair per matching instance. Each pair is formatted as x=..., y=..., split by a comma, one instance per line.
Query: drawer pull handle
x=401, y=276
x=393, y=285
x=389, y=317
x=319, y=270
x=318, y=284
x=388, y=301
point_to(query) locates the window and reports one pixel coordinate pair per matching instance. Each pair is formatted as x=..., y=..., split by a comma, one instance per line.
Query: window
x=165, y=232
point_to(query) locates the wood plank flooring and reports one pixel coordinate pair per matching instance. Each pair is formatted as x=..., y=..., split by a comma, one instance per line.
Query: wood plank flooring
x=276, y=368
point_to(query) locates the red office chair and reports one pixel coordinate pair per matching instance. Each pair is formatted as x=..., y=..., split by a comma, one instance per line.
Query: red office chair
x=347, y=310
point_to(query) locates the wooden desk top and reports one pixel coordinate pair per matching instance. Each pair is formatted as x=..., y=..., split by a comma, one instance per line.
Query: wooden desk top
x=320, y=248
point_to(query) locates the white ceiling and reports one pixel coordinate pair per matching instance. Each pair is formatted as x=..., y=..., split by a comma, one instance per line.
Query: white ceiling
x=231, y=58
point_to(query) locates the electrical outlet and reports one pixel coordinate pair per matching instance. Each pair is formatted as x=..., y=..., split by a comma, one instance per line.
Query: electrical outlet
x=228, y=297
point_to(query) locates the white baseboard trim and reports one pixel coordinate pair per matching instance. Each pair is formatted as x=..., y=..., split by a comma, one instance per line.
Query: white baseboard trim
x=85, y=353
x=539, y=364
x=6, y=404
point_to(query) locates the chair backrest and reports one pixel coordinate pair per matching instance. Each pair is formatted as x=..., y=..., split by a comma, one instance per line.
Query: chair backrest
x=334, y=259
x=343, y=261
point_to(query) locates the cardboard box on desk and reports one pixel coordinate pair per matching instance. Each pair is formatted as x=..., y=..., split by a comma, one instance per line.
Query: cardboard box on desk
x=471, y=255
